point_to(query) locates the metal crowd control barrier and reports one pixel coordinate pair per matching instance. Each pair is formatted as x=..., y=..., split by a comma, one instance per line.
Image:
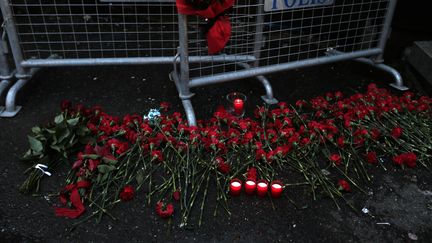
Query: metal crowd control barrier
x=6, y=73
x=267, y=36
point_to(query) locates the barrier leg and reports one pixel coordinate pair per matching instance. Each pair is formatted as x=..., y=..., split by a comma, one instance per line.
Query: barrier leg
x=6, y=73
x=182, y=81
x=398, y=84
x=268, y=98
x=11, y=109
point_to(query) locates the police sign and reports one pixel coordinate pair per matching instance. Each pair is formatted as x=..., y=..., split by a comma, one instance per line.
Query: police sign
x=275, y=5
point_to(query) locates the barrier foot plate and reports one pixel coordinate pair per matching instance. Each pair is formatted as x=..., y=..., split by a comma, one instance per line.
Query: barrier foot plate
x=269, y=101
x=13, y=113
x=399, y=87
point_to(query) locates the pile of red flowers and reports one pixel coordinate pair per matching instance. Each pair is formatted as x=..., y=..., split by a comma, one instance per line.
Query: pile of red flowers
x=332, y=133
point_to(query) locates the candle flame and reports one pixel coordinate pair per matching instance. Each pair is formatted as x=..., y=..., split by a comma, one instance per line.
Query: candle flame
x=262, y=184
x=236, y=184
x=277, y=186
x=250, y=183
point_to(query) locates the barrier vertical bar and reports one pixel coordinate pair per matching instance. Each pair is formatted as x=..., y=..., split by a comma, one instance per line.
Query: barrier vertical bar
x=5, y=70
x=22, y=74
x=268, y=97
x=378, y=61
x=182, y=82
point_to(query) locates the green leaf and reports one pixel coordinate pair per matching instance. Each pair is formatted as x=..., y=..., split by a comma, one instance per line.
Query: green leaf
x=73, y=121
x=110, y=160
x=36, y=130
x=82, y=131
x=57, y=148
x=50, y=131
x=98, y=179
x=90, y=156
x=106, y=168
x=28, y=155
x=104, y=178
x=59, y=119
x=35, y=144
x=62, y=134
x=72, y=140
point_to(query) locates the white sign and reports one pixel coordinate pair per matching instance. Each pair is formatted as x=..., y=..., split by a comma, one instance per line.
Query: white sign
x=276, y=5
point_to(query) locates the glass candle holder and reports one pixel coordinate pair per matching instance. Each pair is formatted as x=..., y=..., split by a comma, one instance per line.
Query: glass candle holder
x=250, y=186
x=235, y=103
x=276, y=189
x=262, y=188
x=235, y=187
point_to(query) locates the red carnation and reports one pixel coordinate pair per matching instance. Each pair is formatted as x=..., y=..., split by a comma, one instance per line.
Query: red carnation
x=344, y=185
x=375, y=133
x=176, y=195
x=223, y=167
x=411, y=159
x=127, y=193
x=396, y=132
x=340, y=142
x=336, y=158
x=252, y=174
x=157, y=154
x=398, y=159
x=164, y=210
x=371, y=158
x=165, y=106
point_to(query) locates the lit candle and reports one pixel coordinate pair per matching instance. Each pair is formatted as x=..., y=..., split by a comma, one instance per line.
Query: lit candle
x=262, y=188
x=276, y=189
x=250, y=186
x=238, y=106
x=235, y=187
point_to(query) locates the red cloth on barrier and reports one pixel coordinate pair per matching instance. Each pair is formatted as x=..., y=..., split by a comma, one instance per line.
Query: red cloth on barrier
x=74, y=198
x=219, y=34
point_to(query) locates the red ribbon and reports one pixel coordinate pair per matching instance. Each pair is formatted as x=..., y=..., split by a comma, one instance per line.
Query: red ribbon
x=219, y=34
x=74, y=198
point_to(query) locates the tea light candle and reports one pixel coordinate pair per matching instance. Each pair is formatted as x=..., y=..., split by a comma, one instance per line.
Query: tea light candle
x=262, y=188
x=250, y=186
x=235, y=187
x=276, y=189
x=238, y=106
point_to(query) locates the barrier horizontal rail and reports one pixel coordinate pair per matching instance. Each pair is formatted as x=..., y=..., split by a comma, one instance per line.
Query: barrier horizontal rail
x=267, y=36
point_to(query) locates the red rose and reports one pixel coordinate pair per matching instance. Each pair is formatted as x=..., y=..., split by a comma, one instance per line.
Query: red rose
x=65, y=104
x=127, y=193
x=93, y=164
x=396, y=132
x=343, y=184
x=371, y=158
x=336, y=158
x=164, y=210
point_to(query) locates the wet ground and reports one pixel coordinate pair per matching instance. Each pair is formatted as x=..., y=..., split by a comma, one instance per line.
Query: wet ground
x=399, y=202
